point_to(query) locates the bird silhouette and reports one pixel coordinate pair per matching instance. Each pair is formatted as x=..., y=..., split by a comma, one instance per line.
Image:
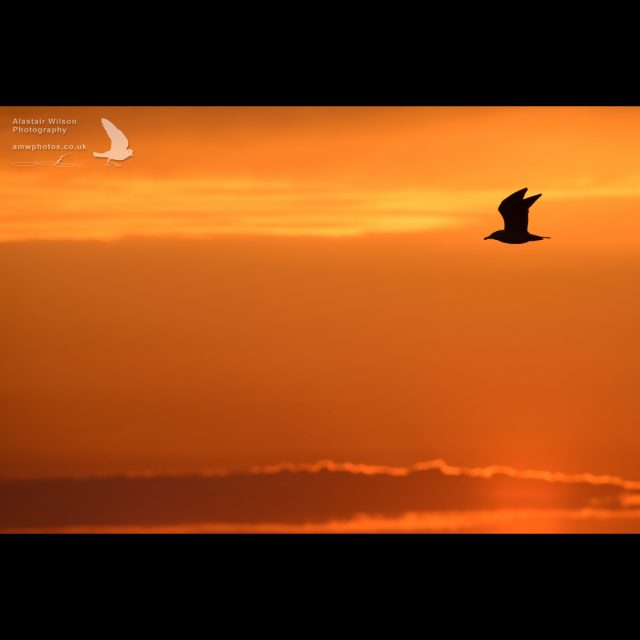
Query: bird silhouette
x=119, y=144
x=515, y=211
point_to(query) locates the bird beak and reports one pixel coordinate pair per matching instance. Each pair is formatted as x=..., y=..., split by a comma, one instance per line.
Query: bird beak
x=487, y=237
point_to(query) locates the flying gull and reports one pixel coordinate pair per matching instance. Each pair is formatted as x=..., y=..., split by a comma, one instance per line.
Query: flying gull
x=515, y=212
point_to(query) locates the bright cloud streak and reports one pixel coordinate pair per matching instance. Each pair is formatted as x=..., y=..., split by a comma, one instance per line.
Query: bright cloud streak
x=403, y=471
x=198, y=207
x=498, y=521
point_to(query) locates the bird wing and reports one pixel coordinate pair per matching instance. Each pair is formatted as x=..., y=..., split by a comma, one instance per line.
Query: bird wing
x=514, y=210
x=118, y=139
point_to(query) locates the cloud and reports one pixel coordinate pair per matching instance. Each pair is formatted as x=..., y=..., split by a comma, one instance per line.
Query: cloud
x=90, y=208
x=471, y=521
x=187, y=207
x=325, y=496
x=441, y=465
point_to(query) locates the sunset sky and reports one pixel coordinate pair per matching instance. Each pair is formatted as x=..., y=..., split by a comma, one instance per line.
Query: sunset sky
x=259, y=286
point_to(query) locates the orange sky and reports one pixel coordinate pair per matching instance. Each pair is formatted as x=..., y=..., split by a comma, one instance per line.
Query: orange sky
x=292, y=284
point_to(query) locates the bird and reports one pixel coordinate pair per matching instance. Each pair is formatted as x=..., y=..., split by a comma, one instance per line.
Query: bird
x=119, y=144
x=515, y=211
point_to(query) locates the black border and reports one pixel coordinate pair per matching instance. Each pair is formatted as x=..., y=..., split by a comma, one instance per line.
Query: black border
x=490, y=67
x=513, y=553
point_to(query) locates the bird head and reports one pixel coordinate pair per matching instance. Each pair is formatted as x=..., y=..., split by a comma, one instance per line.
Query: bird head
x=129, y=153
x=495, y=235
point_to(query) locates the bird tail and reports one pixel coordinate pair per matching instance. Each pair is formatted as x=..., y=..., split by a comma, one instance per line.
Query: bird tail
x=100, y=155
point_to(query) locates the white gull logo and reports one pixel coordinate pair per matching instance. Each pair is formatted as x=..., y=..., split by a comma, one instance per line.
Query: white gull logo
x=119, y=144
